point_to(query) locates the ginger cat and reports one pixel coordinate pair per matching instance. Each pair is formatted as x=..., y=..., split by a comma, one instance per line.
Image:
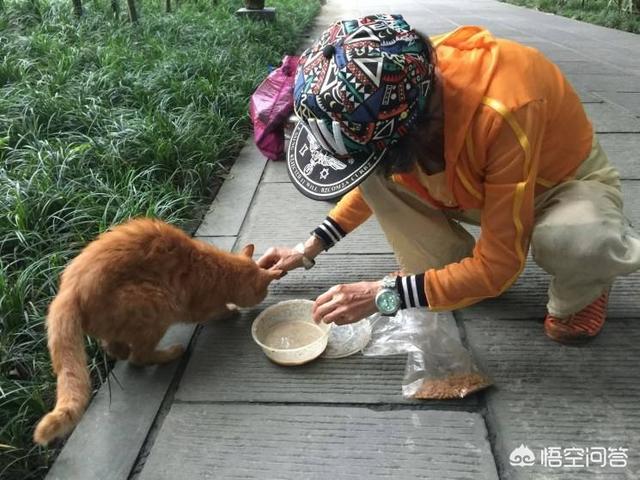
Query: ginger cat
x=126, y=288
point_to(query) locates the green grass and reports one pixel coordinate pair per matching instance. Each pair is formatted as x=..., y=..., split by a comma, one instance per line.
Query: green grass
x=592, y=11
x=101, y=121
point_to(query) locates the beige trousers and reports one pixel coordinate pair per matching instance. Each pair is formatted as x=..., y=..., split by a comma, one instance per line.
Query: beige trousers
x=580, y=236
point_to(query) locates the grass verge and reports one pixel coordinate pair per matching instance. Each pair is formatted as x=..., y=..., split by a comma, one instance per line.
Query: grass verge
x=592, y=11
x=100, y=121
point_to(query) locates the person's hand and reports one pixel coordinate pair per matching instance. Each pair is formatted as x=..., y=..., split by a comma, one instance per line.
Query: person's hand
x=285, y=258
x=281, y=258
x=347, y=303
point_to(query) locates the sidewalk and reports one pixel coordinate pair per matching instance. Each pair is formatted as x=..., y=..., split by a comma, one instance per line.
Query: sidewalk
x=224, y=411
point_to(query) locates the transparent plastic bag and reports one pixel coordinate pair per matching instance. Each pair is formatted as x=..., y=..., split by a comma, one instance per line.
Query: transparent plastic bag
x=438, y=364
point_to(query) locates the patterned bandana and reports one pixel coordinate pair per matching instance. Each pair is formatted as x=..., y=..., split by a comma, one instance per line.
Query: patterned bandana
x=358, y=90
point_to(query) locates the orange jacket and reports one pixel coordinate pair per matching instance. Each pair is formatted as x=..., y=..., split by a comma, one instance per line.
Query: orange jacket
x=513, y=127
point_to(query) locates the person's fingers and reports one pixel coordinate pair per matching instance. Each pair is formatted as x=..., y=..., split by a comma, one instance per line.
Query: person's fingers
x=291, y=262
x=278, y=267
x=326, y=296
x=275, y=274
x=269, y=259
x=339, y=316
x=343, y=304
x=284, y=263
x=325, y=309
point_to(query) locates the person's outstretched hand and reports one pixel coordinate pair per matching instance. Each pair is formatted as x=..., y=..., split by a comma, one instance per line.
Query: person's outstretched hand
x=281, y=258
x=347, y=303
x=286, y=258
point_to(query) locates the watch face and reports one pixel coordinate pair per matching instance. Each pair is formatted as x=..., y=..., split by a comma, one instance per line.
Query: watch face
x=387, y=301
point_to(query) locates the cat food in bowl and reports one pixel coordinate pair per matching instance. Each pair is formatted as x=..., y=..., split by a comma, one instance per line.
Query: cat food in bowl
x=288, y=335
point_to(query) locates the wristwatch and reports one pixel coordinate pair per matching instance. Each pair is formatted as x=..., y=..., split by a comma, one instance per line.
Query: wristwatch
x=307, y=262
x=388, y=298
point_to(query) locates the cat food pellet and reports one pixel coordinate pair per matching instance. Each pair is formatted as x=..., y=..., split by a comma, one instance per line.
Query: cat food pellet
x=454, y=386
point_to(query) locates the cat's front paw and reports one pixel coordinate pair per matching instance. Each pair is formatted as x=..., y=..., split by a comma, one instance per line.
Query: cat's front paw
x=174, y=351
x=229, y=311
x=233, y=308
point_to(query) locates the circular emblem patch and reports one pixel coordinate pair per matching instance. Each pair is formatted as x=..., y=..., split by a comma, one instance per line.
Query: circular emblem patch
x=319, y=175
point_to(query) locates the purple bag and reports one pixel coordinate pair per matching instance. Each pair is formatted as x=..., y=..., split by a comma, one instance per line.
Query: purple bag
x=270, y=107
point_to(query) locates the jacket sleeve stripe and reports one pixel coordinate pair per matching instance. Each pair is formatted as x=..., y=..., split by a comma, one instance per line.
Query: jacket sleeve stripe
x=518, y=198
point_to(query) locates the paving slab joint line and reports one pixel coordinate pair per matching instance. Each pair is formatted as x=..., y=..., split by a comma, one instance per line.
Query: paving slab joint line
x=353, y=254
x=194, y=225
x=634, y=132
x=602, y=95
x=492, y=435
x=245, y=214
x=601, y=134
x=214, y=236
x=163, y=411
x=376, y=407
x=483, y=405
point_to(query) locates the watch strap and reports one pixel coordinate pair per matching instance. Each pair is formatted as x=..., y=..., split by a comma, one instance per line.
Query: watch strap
x=307, y=262
x=389, y=282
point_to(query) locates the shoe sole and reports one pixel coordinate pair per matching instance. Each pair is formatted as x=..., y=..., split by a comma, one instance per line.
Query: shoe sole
x=570, y=339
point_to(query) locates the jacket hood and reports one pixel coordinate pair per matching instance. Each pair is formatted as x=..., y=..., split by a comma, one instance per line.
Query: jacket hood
x=466, y=59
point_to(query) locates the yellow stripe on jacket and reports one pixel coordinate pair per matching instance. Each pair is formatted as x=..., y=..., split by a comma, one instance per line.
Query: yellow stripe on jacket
x=507, y=214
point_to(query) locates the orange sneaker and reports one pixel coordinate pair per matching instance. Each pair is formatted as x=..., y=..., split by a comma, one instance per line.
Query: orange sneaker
x=581, y=326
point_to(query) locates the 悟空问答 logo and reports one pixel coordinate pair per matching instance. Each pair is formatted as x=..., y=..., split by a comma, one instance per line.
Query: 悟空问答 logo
x=522, y=456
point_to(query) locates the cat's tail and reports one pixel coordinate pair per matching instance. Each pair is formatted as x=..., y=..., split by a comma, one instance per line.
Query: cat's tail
x=69, y=360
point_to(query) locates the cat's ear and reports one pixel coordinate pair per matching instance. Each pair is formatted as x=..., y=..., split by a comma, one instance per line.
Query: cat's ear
x=247, y=250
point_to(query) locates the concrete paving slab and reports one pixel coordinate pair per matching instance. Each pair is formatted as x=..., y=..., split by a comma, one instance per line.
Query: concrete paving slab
x=631, y=196
x=553, y=25
x=433, y=26
x=609, y=118
x=587, y=97
x=623, y=151
x=226, y=365
x=549, y=395
x=280, y=215
x=605, y=81
x=106, y=443
x=285, y=442
x=613, y=47
x=225, y=243
x=334, y=11
x=585, y=67
x=226, y=214
x=615, y=56
x=275, y=172
x=627, y=100
x=556, y=53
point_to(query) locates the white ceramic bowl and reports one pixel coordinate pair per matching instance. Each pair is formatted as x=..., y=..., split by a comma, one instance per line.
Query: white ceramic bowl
x=288, y=335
